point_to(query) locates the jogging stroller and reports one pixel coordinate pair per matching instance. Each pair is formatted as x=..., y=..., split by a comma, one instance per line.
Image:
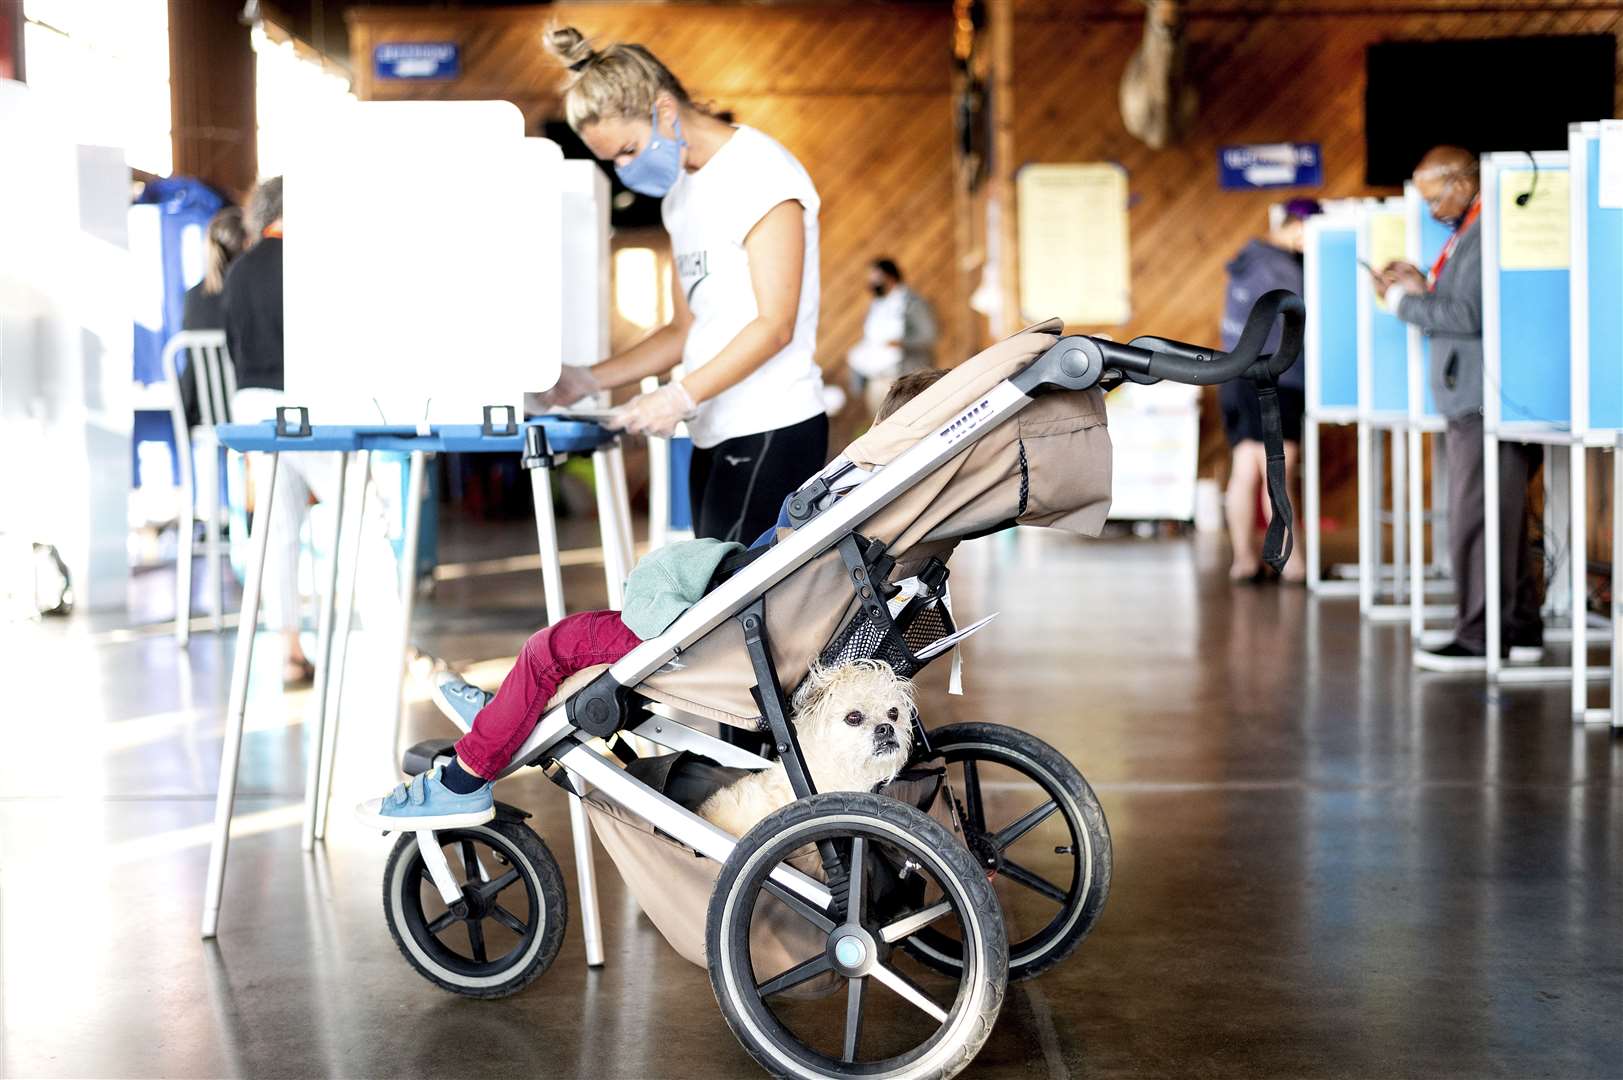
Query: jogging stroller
x=798, y=960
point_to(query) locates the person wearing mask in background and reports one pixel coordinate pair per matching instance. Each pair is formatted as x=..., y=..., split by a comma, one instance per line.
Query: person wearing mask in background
x=898, y=336
x=204, y=307
x=1446, y=305
x=1272, y=262
x=742, y=216
x=253, y=333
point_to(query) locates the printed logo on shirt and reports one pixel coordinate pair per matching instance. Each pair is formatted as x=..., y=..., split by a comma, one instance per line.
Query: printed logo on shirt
x=735, y=462
x=692, y=267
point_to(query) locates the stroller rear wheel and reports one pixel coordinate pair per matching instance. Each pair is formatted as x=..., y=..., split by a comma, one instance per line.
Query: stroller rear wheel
x=894, y=1017
x=1035, y=826
x=514, y=909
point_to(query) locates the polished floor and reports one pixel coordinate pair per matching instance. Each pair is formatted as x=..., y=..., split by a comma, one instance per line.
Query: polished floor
x=1325, y=864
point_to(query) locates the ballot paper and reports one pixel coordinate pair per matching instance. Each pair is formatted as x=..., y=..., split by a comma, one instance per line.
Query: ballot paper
x=1609, y=185
x=941, y=645
x=1536, y=236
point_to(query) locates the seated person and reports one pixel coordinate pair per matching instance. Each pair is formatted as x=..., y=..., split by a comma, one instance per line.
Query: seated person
x=659, y=589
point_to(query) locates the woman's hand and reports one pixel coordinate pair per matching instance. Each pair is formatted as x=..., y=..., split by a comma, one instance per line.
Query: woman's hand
x=573, y=384
x=654, y=413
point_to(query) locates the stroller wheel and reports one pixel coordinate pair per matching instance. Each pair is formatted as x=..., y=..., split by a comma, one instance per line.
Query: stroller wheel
x=515, y=915
x=890, y=1016
x=1036, y=828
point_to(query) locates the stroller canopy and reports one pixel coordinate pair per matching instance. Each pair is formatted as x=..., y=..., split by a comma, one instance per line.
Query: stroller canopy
x=1048, y=465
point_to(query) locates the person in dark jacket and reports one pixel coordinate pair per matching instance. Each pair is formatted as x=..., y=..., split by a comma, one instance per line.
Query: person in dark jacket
x=1273, y=262
x=204, y=307
x=1446, y=304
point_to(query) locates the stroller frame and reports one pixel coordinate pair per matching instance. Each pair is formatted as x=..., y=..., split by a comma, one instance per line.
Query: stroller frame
x=603, y=707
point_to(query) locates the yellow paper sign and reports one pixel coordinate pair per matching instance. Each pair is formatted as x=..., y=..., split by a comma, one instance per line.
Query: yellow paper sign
x=1073, y=243
x=1387, y=234
x=1536, y=236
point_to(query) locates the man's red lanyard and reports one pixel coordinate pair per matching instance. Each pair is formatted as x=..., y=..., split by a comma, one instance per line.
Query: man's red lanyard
x=1448, y=249
x=274, y=232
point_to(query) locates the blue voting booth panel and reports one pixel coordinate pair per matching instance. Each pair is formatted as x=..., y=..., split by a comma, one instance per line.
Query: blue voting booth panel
x=1605, y=252
x=1336, y=311
x=1388, y=341
x=681, y=500
x=1433, y=235
x=1535, y=338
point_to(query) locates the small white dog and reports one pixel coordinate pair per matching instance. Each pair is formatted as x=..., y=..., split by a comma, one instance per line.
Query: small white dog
x=854, y=722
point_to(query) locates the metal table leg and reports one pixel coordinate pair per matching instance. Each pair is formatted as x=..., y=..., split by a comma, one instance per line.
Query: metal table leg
x=1490, y=547
x=1578, y=519
x=340, y=665
x=231, y=752
x=316, y=716
x=408, y=576
x=185, y=540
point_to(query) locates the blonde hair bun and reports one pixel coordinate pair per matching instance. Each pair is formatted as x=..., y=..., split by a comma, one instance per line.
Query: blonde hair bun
x=569, y=46
x=620, y=80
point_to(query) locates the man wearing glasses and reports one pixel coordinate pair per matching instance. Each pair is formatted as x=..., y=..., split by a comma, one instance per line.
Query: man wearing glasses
x=1446, y=304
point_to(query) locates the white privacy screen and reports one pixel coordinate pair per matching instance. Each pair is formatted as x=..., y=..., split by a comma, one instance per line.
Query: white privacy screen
x=423, y=262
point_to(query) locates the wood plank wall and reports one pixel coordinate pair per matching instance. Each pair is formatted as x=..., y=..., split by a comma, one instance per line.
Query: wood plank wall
x=860, y=94
x=1264, y=72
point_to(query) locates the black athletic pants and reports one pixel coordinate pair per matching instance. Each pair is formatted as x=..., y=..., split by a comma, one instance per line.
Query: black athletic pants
x=738, y=486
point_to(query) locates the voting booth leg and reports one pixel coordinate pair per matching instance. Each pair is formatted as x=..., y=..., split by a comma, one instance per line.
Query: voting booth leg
x=231, y=751
x=1578, y=519
x=608, y=525
x=1400, y=520
x=213, y=550
x=1616, y=699
x=356, y=521
x=659, y=492
x=185, y=543
x=1417, y=536
x=1368, y=519
x=1490, y=547
x=408, y=575
x=546, y=528
x=1310, y=499
x=622, y=506
x=316, y=725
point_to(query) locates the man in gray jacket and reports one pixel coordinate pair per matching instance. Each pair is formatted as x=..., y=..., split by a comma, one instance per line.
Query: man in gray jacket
x=1447, y=306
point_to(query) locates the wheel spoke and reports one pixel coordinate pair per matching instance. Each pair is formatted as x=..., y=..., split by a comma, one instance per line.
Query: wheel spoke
x=854, y=990
x=476, y=939
x=912, y=924
x=509, y=920
x=853, y=897
x=909, y=992
x=1019, y=874
x=973, y=809
x=470, y=863
x=1020, y=828
x=800, y=907
x=804, y=971
x=442, y=922
x=489, y=889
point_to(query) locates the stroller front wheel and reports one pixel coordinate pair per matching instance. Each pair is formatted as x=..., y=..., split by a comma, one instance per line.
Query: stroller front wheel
x=515, y=909
x=890, y=1016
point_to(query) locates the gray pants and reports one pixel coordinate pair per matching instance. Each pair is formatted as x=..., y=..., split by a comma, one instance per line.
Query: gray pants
x=1518, y=568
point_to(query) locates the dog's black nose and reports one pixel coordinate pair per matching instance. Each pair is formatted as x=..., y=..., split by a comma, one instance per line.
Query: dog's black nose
x=884, y=731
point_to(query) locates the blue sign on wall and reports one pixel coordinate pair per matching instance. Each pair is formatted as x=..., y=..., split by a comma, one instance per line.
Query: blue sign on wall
x=1269, y=165
x=417, y=60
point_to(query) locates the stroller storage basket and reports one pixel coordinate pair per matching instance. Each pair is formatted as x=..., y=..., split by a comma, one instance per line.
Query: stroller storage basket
x=897, y=641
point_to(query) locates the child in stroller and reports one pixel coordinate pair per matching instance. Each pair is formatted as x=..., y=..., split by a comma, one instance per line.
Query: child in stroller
x=660, y=588
x=905, y=911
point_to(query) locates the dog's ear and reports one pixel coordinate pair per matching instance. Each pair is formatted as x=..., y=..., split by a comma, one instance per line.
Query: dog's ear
x=809, y=696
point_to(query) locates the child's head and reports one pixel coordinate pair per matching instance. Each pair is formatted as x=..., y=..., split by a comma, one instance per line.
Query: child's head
x=905, y=389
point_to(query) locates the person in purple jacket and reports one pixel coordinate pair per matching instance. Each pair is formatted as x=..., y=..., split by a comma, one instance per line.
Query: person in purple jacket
x=1271, y=262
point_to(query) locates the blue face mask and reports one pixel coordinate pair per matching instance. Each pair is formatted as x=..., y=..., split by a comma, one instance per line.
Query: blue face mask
x=654, y=170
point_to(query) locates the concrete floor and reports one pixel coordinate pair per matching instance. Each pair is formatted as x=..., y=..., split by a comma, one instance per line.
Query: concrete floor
x=1325, y=864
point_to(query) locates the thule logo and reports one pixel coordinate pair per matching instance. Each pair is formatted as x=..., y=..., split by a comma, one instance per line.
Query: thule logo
x=968, y=421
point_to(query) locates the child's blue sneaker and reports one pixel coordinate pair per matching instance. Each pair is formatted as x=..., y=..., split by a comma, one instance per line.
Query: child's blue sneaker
x=424, y=803
x=459, y=699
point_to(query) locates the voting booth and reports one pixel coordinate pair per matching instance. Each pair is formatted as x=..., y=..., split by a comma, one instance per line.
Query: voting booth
x=1383, y=418
x=1595, y=162
x=1527, y=364
x=440, y=265
x=1330, y=353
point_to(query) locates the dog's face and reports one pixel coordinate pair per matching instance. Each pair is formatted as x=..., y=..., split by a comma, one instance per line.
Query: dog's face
x=855, y=723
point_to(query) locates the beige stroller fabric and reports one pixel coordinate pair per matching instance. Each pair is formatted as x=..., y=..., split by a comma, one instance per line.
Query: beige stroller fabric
x=1065, y=446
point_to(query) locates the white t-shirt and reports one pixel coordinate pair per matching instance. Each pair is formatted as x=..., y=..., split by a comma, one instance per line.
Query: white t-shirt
x=708, y=214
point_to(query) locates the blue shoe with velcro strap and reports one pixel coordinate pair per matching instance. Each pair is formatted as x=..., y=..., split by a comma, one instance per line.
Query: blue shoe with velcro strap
x=423, y=802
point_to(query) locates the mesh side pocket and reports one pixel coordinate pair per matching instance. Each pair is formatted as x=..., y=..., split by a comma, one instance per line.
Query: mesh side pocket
x=920, y=623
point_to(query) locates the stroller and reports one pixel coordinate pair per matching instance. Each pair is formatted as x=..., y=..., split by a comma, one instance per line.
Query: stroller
x=803, y=923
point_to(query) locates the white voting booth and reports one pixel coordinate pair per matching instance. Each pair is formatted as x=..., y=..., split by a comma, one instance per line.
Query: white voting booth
x=1595, y=160
x=437, y=264
x=1330, y=291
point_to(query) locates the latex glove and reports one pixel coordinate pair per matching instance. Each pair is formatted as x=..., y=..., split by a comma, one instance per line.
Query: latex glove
x=573, y=384
x=654, y=413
